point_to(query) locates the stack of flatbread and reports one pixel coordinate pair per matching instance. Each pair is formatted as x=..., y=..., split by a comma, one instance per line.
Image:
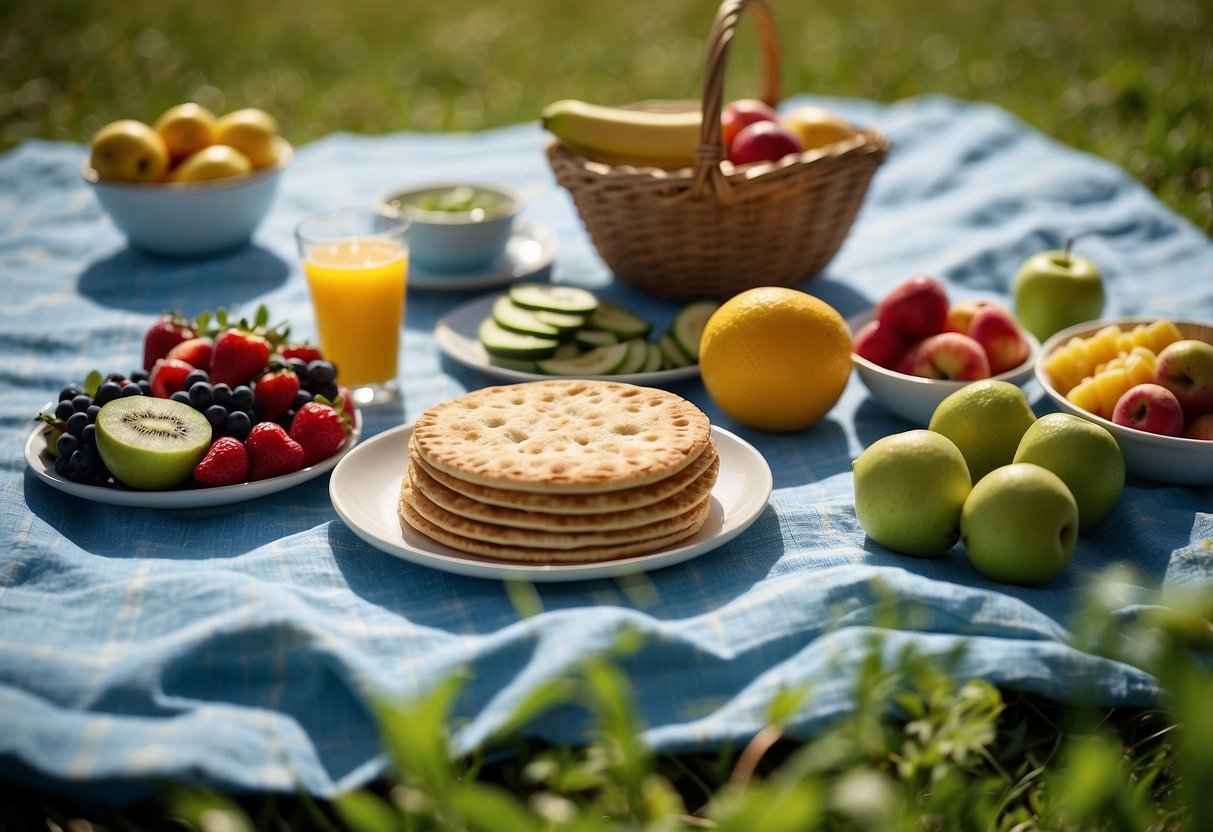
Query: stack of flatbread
x=560, y=471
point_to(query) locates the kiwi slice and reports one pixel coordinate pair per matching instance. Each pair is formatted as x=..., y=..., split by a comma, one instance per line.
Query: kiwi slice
x=151, y=444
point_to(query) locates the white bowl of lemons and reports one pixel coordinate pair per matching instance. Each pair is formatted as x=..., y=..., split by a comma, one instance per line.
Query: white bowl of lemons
x=192, y=184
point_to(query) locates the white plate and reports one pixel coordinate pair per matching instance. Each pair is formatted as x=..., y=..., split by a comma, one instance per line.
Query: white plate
x=43, y=466
x=365, y=489
x=529, y=253
x=457, y=336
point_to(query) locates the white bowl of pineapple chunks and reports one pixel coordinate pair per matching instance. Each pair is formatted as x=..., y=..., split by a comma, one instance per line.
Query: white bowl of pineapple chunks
x=1088, y=368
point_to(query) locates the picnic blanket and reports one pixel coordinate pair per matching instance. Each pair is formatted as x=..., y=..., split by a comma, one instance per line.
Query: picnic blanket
x=235, y=646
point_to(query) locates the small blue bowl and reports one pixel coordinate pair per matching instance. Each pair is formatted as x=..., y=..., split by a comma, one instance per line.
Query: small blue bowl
x=455, y=227
x=191, y=219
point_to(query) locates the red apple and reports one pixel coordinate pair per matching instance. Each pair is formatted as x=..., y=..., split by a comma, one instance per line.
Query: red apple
x=742, y=112
x=881, y=345
x=917, y=308
x=950, y=355
x=999, y=335
x=1200, y=428
x=1150, y=407
x=763, y=141
x=1186, y=369
x=960, y=315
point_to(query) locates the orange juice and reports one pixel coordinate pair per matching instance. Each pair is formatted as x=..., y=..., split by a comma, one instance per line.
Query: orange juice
x=357, y=290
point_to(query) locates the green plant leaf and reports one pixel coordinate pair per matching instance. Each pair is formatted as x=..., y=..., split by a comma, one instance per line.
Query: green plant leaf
x=362, y=811
x=493, y=809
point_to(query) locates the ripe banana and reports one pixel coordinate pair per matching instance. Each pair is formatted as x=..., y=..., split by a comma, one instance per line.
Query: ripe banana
x=625, y=136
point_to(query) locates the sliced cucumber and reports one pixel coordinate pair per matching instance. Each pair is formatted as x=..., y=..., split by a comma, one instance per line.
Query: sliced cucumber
x=567, y=349
x=603, y=361
x=503, y=343
x=674, y=356
x=588, y=339
x=562, y=321
x=654, y=359
x=567, y=299
x=515, y=318
x=623, y=322
x=519, y=364
x=688, y=326
x=638, y=353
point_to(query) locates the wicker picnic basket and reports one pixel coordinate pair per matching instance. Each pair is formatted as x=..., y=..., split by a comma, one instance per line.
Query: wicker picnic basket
x=712, y=230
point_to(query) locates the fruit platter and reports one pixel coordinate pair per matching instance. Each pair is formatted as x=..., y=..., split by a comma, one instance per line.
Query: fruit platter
x=219, y=411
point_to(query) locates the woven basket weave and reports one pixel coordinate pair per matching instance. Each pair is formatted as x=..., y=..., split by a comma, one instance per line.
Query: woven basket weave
x=712, y=230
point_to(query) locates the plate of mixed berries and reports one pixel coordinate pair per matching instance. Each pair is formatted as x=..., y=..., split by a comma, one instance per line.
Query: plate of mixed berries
x=221, y=411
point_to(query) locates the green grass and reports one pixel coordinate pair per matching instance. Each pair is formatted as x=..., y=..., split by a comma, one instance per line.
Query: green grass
x=1126, y=79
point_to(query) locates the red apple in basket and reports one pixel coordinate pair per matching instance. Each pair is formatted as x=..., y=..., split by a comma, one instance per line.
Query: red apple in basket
x=1150, y=407
x=917, y=308
x=737, y=114
x=950, y=355
x=1200, y=428
x=960, y=315
x=1000, y=336
x=1186, y=369
x=882, y=345
x=762, y=141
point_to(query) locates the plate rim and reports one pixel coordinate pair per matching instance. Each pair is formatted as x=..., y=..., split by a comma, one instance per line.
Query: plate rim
x=494, y=275
x=452, y=561
x=180, y=498
x=444, y=333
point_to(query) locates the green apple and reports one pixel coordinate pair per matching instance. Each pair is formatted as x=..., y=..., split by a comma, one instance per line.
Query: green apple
x=909, y=490
x=1020, y=524
x=1086, y=457
x=1056, y=289
x=986, y=419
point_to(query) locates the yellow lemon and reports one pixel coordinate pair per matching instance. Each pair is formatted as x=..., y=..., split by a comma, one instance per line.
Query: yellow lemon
x=775, y=359
x=252, y=132
x=186, y=129
x=215, y=162
x=128, y=151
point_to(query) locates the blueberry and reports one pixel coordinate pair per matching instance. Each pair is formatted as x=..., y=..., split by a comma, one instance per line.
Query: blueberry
x=92, y=411
x=107, y=393
x=76, y=424
x=67, y=444
x=81, y=402
x=299, y=366
x=196, y=376
x=221, y=394
x=200, y=393
x=275, y=364
x=69, y=393
x=216, y=414
x=181, y=396
x=321, y=372
x=138, y=375
x=81, y=462
x=237, y=425
x=329, y=391
x=145, y=386
x=301, y=398
x=133, y=390
x=64, y=409
x=242, y=397
x=89, y=436
x=63, y=465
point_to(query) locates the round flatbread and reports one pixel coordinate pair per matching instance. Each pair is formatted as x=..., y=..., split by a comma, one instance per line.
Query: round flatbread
x=563, y=436
x=463, y=506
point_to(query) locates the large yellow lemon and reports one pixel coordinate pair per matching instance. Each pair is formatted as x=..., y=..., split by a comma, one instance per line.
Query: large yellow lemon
x=217, y=161
x=185, y=128
x=251, y=131
x=775, y=359
x=128, y=151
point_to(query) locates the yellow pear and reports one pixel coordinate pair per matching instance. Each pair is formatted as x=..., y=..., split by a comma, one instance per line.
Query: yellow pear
x=252, y=132
x=218, y=161
x=185, y=128
x=128, y=151
x=816, y=126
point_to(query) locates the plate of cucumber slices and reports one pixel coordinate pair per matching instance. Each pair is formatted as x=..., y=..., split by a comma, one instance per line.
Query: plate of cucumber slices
x=539, y=330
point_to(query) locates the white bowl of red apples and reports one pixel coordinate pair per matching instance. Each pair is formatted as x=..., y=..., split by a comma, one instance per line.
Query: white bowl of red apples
x=1164, y=424
x=916, y=346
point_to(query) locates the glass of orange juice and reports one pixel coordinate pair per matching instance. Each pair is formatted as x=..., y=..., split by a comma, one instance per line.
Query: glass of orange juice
x=356, y=262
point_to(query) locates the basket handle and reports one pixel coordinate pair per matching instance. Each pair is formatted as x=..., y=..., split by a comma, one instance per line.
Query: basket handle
x=711, y=151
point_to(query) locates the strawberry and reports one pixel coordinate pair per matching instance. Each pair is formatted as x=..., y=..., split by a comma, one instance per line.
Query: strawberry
x=271, y=451
x=320, y=429
x=306, y=352
x=167, y=332
x=195, y=351
x=168, y=376
x=239, y=355
x=226, y=463
x=346, y=399
x=275, y=393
